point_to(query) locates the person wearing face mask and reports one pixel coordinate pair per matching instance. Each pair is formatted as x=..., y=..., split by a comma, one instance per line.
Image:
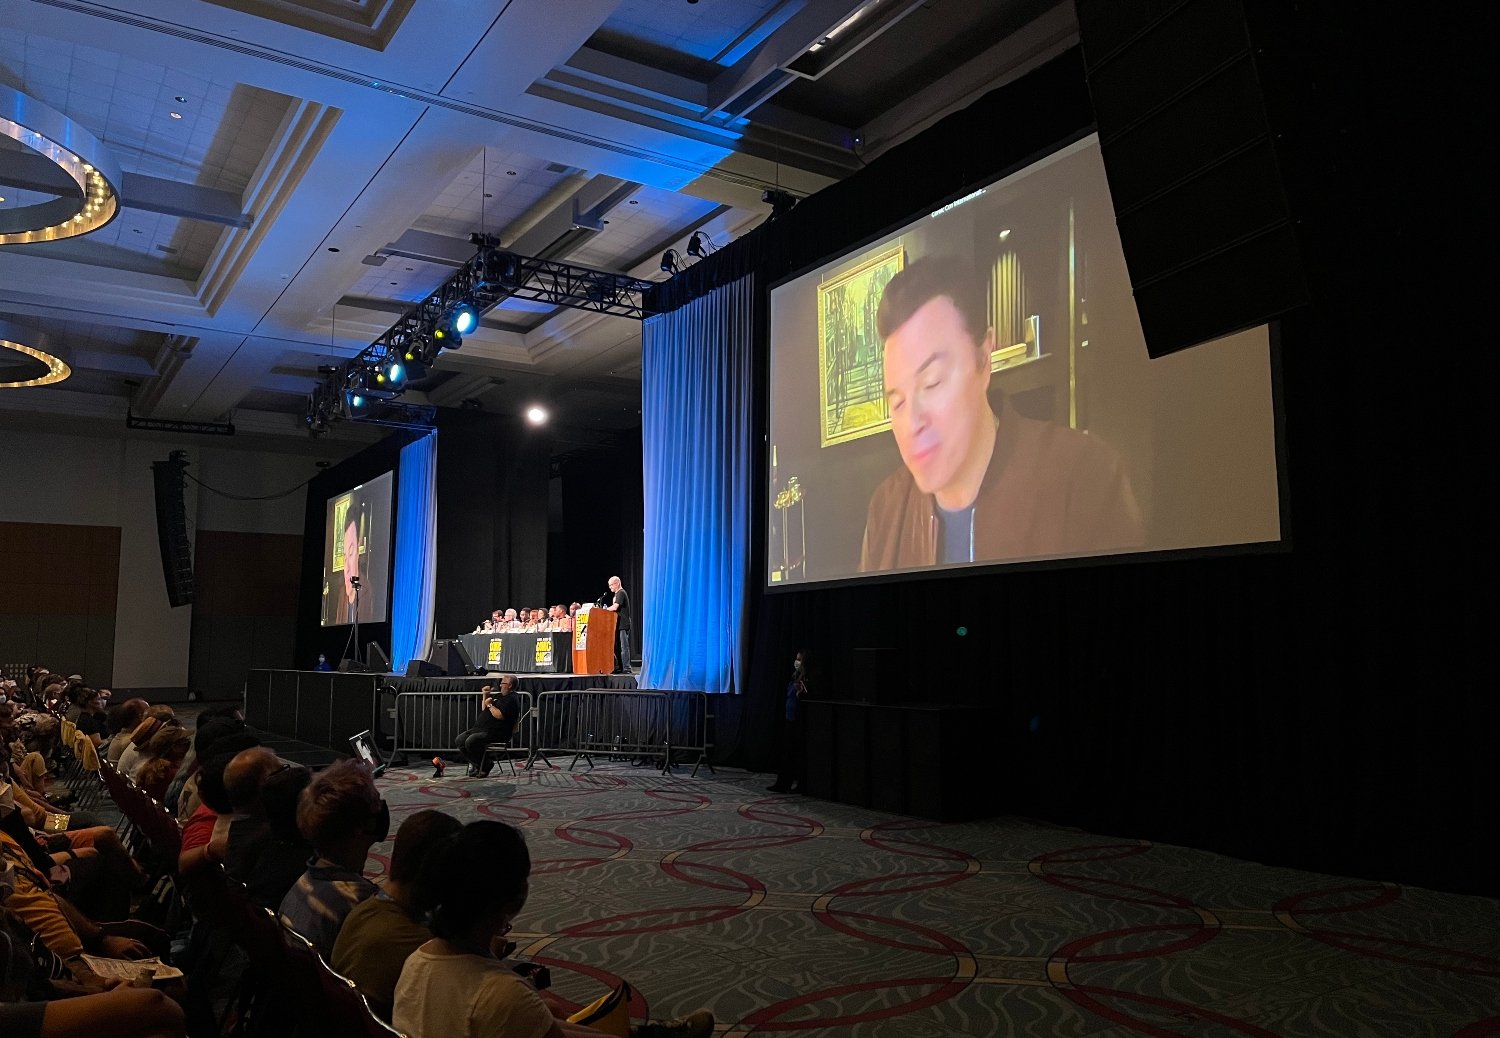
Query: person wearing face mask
x=342, y=815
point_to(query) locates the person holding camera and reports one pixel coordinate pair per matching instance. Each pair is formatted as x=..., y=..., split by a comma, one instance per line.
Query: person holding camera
x=499, y=712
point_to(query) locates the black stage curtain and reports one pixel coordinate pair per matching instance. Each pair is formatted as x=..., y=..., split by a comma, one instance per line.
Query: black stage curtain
x=1321, y=706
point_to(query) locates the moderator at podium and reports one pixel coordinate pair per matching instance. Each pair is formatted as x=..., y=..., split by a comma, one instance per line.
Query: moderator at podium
x=617, y=601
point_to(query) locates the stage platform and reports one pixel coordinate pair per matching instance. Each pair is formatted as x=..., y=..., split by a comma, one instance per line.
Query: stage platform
x=326, y=708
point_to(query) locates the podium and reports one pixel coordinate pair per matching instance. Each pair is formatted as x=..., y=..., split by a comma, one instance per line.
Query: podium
x=594, y=641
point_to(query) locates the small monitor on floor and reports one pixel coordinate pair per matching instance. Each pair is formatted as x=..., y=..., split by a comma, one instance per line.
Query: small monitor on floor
x=366, y=751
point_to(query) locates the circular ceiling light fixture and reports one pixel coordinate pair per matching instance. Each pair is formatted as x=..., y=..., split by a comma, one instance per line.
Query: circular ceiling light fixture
x=78, y=183
x=22, y=366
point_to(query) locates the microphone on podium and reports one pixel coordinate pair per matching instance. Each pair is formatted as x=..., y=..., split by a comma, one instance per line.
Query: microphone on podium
x=603, y=600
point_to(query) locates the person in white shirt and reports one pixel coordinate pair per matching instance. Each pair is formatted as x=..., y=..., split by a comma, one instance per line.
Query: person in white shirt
x=455, y=986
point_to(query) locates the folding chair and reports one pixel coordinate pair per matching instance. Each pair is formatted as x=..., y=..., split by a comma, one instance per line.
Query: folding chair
x=340, y=1010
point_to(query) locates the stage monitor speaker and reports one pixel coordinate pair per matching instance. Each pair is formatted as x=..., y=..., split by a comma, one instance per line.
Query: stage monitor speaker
x=451, y=655
x=171, y=528
x=378, y=661
x=423, y=669
x=1191, y=158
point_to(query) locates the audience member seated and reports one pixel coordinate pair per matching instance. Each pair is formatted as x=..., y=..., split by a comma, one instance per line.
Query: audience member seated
x=239, y=835
x=123, y=718
x=153, y=721
x=342, y=815
x=454, y=985
x=214, y=801
x=62, y=929
x=91, y=719
x=383, y=930
x=182, y=793
x=164, y=754
x=120, y=1013
x=285, y=854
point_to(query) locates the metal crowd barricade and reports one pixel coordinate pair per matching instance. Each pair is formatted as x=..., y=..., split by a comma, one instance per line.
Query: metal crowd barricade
x=429, y=721
x=647, y=724
x=603, y=722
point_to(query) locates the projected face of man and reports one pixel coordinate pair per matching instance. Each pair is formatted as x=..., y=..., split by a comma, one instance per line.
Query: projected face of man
x=351, y=559
x=936, y=378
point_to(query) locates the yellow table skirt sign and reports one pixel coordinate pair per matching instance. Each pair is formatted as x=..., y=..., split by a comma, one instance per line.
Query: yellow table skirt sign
x=492, y=658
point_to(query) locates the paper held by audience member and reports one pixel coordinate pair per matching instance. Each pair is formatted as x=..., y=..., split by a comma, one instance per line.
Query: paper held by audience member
x=130, y=969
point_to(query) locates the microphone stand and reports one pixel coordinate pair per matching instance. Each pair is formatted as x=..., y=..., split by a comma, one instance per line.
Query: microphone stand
x=358, y=656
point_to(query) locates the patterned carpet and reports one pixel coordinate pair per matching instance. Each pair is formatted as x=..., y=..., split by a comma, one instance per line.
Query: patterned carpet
x=786, y=915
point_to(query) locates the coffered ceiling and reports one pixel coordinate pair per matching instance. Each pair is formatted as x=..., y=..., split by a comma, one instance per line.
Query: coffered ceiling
x=296, y=174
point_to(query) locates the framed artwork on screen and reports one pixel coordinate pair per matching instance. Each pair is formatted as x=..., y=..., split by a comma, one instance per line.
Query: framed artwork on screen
x=851, y=383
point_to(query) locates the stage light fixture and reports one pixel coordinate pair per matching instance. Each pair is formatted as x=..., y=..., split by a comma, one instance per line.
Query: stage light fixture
x=780, y=202
x=669, y=262
x=502, y=268
x=696, y=243
x=391, y=371
x=536, y=414
x=465, y=319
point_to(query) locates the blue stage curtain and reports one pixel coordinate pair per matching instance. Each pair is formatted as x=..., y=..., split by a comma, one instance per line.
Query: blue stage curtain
x=695, y=433
x=416, y=552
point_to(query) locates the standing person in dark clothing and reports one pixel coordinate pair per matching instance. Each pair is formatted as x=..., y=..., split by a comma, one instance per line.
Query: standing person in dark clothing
x=617, y=601
x=789, y=771
x=498, y=714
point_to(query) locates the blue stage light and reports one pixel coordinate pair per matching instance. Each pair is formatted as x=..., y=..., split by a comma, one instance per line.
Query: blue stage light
x=465, y=319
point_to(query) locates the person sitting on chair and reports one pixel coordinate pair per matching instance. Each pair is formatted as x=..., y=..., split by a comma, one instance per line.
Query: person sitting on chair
x=498, y=715
x=383, y=930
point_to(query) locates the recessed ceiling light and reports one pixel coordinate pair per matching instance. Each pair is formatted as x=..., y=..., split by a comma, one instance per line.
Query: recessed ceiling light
x=180, y=99
x=333, y=248
x=510, y=172
x=635, y=201
x=489, y=194
x=175, y=115
x=536, y=415
x=2, y=198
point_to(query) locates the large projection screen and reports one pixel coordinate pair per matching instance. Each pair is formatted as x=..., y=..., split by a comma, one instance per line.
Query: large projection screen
x=357, y=546
x=1000, y=407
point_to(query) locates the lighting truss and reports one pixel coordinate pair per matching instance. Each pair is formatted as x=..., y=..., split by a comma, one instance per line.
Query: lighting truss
x=490, y=277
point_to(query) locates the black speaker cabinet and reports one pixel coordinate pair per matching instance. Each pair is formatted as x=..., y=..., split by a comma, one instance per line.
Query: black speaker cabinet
x=171, y=528
x=375, y=657
x=423, y=669
x=1193, y=166
x=452, y=657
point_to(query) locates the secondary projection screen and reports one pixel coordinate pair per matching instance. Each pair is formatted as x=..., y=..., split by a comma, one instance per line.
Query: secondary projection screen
x=357, y=548
x=974, y=389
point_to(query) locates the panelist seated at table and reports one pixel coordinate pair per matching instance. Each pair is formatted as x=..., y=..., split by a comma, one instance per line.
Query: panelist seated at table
x=492, y=623
x=559, y=619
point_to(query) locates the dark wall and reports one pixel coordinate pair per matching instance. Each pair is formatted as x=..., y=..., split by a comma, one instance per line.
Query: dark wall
x=602, y=528
x=492, y=517
x=1320, y=706
x=58, y=587
x=245, y=612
